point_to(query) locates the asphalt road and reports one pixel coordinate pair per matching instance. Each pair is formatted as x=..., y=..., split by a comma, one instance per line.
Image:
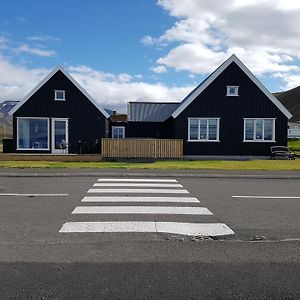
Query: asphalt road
x=38, y=262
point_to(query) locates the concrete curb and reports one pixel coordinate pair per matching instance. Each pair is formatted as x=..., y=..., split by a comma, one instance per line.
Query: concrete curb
x=153, y=174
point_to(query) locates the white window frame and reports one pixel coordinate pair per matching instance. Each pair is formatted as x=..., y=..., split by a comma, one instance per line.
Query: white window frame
x=263, y=131
x=236, y=90
x=60, y=99
x=53, y=149
x=118, y=127
x=48, y=129
x=207, y=127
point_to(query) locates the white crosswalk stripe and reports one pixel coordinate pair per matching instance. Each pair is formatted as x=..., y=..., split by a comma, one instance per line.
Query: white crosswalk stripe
x=153, y=206
x=204, y=229
x=134, y=180
x=139, y=191
x=141, y=210
x=159, y=185
x=140, y=199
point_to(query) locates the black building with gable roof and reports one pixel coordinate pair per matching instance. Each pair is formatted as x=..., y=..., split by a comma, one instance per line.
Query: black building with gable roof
x=229, y=114
x=58, y=116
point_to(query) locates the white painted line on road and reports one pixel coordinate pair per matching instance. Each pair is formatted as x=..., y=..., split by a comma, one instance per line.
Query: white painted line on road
x=268, y=197
x=108, y=227
x=117, y=184
x=134, y=180
x=140, y=191
x=140, y=199
x=193, y=229
x=141, y=210
x=34, y=195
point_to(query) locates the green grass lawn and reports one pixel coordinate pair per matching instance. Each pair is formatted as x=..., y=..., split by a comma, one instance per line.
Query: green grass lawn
x=294, y=145
x=275, y=165
x=166, y=164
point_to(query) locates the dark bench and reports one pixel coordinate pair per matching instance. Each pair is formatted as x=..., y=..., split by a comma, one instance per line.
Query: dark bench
x=281, y=151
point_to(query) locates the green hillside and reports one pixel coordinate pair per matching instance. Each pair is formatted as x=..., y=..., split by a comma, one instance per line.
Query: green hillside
x=291, y=100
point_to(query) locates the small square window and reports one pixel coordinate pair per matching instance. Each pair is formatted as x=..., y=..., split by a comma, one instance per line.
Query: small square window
x=59, y=95
x=118, y=132
x=232, y=90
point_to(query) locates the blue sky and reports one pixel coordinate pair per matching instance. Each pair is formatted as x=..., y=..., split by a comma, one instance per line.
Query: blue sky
x=146, y=50
x=105, y=35
x=101, y=34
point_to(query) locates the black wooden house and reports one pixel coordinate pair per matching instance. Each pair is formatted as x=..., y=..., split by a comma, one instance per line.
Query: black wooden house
x=58, y=116
x=230, y=113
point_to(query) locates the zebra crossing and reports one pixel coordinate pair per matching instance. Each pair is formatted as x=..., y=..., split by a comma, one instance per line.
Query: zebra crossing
x=142, y=205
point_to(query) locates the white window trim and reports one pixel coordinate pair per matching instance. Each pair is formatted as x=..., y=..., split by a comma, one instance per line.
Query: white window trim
x=114, y=127
x=48, y=128
x=236, y=87
x=53, y=150
x=59, y=99
x=206, y=140
x=263, y=131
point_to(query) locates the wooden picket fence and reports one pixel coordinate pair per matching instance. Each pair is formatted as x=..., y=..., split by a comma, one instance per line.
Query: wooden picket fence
x=142, y=148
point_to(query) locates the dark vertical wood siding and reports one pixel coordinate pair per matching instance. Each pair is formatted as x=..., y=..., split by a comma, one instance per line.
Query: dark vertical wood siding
x=86, y=123
x=162, y=130
x=213, y=102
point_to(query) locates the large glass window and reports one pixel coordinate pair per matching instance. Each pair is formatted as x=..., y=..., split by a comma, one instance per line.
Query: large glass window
x=193, y=129
x=259, y=130
x=33, y=133
x=249, y=130
x=60, y=134
x=118, y=132
x=201, y=129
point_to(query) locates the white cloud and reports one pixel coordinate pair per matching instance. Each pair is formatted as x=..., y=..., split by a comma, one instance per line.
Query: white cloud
x=35, y=51
x=43, y=38
x=148, y=40
x=291, y=81
x=110, y=90
x=263, y=33
x=16, y=81
x=123, y=77
x=159, y=69
x=193, y=58
x=3, y=42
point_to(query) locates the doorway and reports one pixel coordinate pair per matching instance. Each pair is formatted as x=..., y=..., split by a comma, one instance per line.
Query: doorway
x=60, y=136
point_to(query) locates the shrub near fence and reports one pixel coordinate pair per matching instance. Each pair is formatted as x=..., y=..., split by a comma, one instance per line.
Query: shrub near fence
x=142, y=148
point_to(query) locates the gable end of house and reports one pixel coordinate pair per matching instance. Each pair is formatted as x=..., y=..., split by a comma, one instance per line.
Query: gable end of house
x=46, y=79
x=199, y=89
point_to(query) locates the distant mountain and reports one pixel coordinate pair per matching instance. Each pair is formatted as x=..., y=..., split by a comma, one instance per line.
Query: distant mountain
x=291, y=100
x=6, y=106
x=5, y=118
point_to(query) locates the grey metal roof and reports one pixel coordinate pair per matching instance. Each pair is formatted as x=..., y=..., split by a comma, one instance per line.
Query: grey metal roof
x=151, y=111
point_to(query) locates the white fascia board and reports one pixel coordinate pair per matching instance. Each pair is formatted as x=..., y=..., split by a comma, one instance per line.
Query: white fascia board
x=52, y=73
x=201, y=88
x=216, y=73
x=277, y=103
x=34, y=90
x=85, y=93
